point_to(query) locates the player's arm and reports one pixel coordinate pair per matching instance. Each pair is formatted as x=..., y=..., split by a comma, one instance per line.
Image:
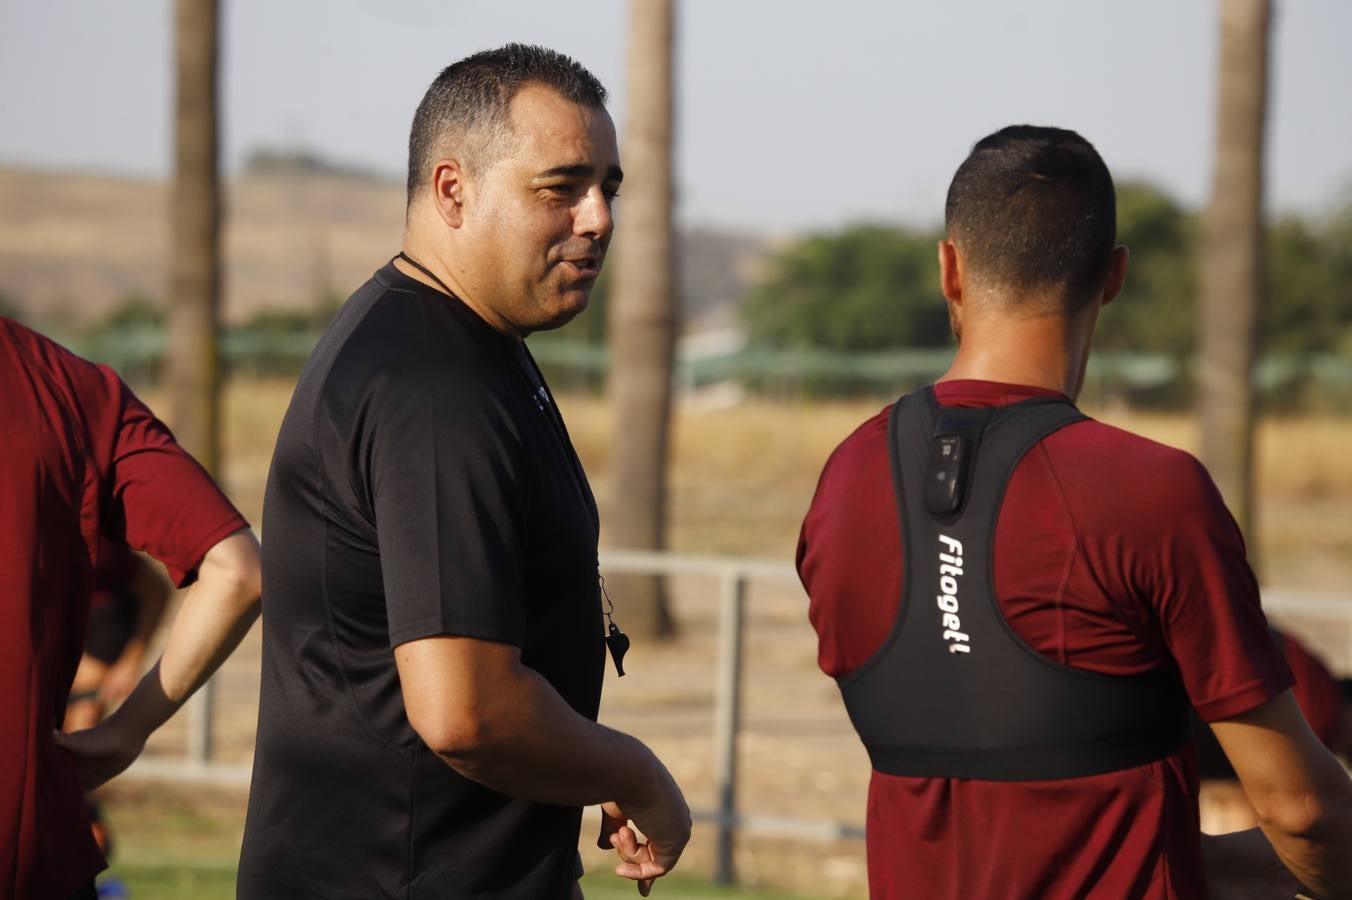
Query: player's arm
x=217, y=611
x=1300, y=794
x=498, y=722
x=152, y=592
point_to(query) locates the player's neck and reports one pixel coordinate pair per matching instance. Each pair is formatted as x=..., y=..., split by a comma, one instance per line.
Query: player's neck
x=1044, y=351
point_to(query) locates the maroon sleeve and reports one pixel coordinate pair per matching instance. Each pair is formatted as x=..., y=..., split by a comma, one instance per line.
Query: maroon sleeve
x=117, y=566
x=1316, y=690
x=1192, y=568
x=849, y=551
x=157, y=498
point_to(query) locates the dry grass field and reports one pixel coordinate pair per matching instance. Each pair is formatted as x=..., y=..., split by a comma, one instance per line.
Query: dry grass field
x=74, y=246
x=742, y=479
x=743, y=476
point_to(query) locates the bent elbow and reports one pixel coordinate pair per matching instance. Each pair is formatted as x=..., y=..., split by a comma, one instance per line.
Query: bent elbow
x=235, y=564
x=1306, y=815
x=461, y=739
x=250, y=582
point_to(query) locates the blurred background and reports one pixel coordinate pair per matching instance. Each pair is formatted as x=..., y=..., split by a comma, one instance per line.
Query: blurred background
x=188, y=191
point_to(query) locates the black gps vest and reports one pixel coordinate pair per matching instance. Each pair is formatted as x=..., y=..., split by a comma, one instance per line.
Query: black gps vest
x=953, y=692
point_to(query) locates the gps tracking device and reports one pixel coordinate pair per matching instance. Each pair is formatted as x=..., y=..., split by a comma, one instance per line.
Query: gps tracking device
x=946, y=476
x=952, y=456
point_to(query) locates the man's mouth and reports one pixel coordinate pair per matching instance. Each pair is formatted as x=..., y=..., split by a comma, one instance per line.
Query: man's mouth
x=583, y=267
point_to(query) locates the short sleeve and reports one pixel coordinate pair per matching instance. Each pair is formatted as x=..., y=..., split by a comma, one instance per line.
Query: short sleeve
x=1316, y=690
x=1206, y=597
x=444, y=472
x=157, y=498
x=850, y=545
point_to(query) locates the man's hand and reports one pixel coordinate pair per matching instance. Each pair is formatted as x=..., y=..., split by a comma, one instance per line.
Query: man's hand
x=498, y=722
x=102, y=752
x=664, y=819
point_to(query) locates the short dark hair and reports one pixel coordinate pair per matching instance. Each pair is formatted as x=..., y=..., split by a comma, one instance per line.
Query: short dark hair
x=469, y=101
x=1033, y=208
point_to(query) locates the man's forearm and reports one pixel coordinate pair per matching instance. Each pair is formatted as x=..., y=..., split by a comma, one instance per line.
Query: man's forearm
x=1322, y=860
x=1275, y=859
x=537, y=748
x=216, y=613
x=1245, y=858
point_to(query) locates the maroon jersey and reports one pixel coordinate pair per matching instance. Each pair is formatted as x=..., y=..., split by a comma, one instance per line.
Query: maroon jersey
x=1113, y=554
x=82, y=457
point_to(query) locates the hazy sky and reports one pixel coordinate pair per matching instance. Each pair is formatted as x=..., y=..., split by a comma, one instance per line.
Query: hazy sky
x=791, y=115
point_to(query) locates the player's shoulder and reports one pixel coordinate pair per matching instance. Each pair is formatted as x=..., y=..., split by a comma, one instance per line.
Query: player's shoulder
x=35, y=350
x=83, y=384
x=855, y=468
x=1118, y=466
x=864, y=445
x=1113, y=445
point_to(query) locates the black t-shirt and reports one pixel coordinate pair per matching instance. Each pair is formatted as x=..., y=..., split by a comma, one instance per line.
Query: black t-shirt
x=423, y=484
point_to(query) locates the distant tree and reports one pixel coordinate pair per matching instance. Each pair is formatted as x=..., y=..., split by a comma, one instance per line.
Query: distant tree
x=643, y=317
x=1309, y=303
x=291, y=320
x=867, y=287
x=135, y=311
x=1232, y=257
x=8, y=308
x=195, y=261
x=1157, y=310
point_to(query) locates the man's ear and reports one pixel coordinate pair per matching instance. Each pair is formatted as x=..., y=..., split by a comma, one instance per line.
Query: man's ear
x=1117, y=273
x=950, y=282
x=950, y=271
x=448, y=191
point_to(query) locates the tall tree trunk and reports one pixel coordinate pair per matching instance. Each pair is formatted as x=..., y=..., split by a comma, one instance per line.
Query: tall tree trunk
x=193, y=366
x=643, y=318
x=1232, y=258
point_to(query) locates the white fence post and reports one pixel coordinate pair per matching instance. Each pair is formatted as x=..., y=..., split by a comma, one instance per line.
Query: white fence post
x=727, y=714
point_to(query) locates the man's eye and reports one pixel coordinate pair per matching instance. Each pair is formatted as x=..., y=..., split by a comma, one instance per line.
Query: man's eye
x=611, y=194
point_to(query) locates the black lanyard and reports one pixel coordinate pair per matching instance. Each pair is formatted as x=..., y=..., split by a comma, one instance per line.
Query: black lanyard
x=428, y=272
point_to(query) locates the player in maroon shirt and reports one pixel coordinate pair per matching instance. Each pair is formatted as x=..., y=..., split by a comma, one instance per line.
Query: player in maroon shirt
x=1111, y=554
x=83, y=458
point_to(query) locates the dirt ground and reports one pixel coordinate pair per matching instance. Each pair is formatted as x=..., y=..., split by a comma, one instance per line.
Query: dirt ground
x=742, y=480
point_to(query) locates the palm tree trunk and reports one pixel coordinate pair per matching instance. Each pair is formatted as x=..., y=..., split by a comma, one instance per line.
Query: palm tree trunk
x=1232, y=258
x=193, y=366
x=643, y=318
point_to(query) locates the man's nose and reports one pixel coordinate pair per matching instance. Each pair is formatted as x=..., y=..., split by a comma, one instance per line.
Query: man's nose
x=592, y=216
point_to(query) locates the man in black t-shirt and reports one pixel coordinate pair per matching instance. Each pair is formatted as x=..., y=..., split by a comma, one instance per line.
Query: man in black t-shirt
x=433, y=641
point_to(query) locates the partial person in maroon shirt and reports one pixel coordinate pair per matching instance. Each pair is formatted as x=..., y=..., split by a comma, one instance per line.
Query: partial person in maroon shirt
x=125, y=610
x=84, y=459
x=128, y=602
x=1112, y=560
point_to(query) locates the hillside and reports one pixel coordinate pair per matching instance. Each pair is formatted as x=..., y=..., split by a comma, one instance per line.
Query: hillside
x=73, y=247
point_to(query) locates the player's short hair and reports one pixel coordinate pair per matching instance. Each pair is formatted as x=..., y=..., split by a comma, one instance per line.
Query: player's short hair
x=1033, y=209
x=465, y=111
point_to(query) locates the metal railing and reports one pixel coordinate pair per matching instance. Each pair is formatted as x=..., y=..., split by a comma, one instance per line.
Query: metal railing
x=733, y=576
